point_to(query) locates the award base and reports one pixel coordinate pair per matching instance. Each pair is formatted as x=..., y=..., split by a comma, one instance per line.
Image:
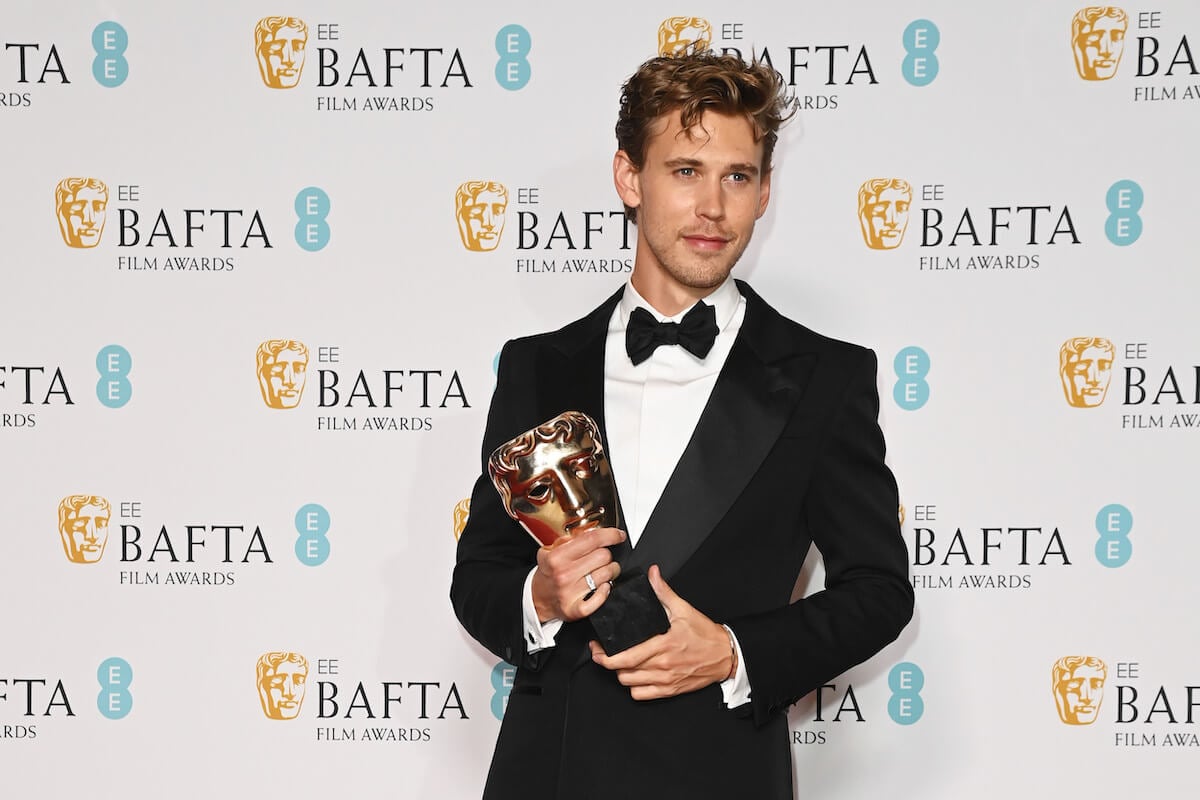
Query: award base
x=631, y=615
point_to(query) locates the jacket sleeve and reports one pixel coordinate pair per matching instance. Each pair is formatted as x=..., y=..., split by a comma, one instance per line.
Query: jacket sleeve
x=851, y=511
x=495, y=553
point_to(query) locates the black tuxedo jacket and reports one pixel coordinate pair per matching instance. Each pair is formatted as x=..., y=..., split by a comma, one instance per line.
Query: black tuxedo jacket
x=787, y=452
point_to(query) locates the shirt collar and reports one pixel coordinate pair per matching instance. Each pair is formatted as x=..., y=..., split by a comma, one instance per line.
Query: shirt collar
x=724, y=300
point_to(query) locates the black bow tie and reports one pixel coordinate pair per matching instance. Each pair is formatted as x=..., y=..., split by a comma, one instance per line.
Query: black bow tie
x=695, y=333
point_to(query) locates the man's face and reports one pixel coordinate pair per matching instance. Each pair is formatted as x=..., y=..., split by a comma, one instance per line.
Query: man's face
x=697, y=196
x=1098, y=48
x=282, y=378
x=563, y=487
x=1086, y=376
x=281, y=57
x=282, y=690
x=885, y=217
x=481, y=220
x=1079, y=695
x=84, y=214
x=84, y=534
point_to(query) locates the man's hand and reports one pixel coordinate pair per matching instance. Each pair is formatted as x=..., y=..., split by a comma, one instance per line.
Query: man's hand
x=693, y=654
x=559, y=584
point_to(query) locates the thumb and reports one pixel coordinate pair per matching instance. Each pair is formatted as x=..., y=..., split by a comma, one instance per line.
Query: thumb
x=665, y=594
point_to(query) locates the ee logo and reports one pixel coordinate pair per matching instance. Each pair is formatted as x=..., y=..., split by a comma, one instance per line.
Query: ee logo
x=920, y=65
x=906, y=682
x=312, y=523
x=1113, y=523
x=113, y=362
x=114, y=700
x=109, y=67
x=1124, y=201
x=312, y=207
x=502, y=681
x=911, y=390
x=512, y=70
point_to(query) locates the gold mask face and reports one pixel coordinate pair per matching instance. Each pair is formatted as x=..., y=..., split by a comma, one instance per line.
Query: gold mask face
x=555, y=479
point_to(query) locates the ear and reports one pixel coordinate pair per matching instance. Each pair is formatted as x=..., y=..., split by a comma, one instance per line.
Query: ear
x=764, y=194
x=627, y=179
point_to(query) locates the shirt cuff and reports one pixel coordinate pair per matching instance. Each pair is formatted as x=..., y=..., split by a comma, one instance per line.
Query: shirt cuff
x=735, y=690
x=539, y=636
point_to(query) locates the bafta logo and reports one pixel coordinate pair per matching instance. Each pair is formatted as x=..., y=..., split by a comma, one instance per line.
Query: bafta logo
x=680, y=34
x=279, y=45
x=83, y=526
x=281, y=679
x=480, y=208
x=1097, y=40
x=82, y=207
x=883, y=205
x=1078, y=688
x=462, y=510
x=1085, y=368
x=282, y=366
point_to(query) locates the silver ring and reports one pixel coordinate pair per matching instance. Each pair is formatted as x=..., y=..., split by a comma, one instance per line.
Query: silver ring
x=591, y=584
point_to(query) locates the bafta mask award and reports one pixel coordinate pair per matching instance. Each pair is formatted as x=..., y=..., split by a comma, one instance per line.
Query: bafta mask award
x=556, y=481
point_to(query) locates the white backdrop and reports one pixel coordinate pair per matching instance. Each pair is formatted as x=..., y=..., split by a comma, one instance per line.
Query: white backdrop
x=125, y=380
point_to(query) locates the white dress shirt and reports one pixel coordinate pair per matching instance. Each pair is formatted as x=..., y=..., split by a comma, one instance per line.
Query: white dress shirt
x=650, y=412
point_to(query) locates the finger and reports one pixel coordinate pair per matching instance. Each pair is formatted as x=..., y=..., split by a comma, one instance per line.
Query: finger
x=594, y=539
x=592, y=600
x=632, y=658
x=665, y=594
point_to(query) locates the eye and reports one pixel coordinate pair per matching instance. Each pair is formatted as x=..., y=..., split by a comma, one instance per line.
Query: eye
x=739, y=177
x=685, y=172
x=539, y=492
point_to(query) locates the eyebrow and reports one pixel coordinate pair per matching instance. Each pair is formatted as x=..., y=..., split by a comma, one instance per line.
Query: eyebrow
x=749, y=169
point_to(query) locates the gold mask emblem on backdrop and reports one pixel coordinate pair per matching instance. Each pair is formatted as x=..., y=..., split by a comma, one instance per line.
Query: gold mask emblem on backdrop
x=1098, y=40
x=81, y=205
x=83, y=526
x=1078, y=688
x=678, y=34
x=883, y=207
x=282, y=366
x=1085, y=368
x=279, y=46
x=480, y=208
x=281, y=678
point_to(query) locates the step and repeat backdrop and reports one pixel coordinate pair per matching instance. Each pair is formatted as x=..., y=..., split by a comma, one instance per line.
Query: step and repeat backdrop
x=259, y=260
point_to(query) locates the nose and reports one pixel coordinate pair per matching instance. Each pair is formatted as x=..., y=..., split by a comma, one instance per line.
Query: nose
x=487, y=219
x=1105, y=45
x=288, y=690
x=289, y=375
x=710, y=200
x=288, y=55
x=1085, y=692
x=1093, y=375
x=89, y=533
x=889, y=215
x=88, y=214
x=574, y=496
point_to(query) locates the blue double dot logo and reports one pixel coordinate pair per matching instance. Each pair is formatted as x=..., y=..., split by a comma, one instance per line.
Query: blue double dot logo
x=906, y=680
x=512, y=70
x=502, y=681
x=312, y=207
x=1113, y=523
x=1124, y=201
x=912, y=367
x=920, y=65
x=109, y=67
x=113, y=362
x=115, y=700
x=312, y=523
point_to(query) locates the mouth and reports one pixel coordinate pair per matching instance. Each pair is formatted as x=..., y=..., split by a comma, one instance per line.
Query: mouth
x=586, y=522
x=706, y=241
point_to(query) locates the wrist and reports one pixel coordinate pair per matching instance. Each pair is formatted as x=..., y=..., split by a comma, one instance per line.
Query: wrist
x=733, y=658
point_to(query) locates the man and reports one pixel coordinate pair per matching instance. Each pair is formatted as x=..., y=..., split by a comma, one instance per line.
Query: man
x=479, y=207
x=83, y=527
x=279, y=46
x=1085, y=369
x=282, y=679
x=1079, y=688
x=282, y=366
x=82, y=206
x=730, y=456
x=883, y=205
x=1097, y=40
